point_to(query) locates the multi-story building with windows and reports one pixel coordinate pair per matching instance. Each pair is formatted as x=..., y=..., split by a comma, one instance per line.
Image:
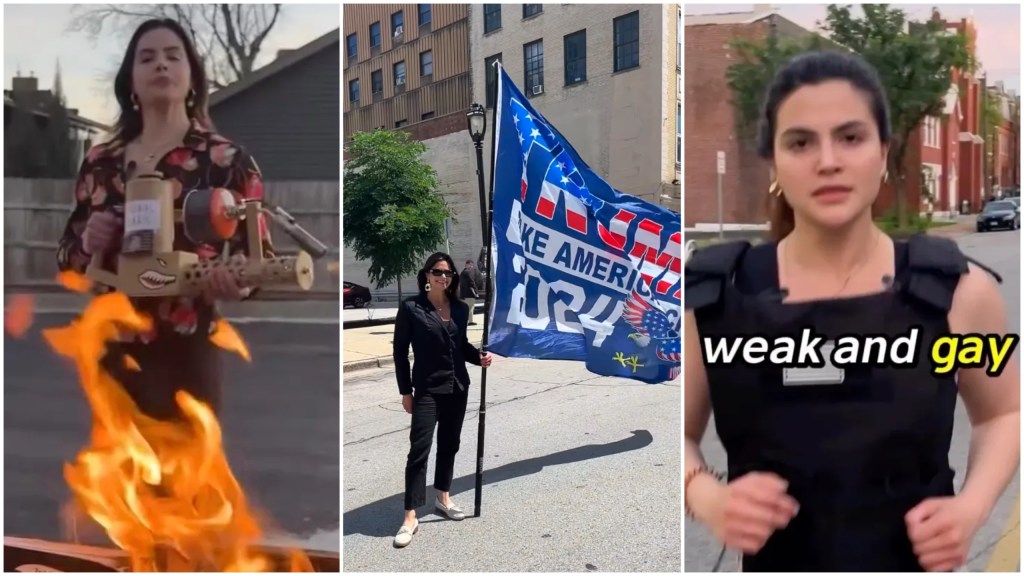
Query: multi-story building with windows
x=606, y=75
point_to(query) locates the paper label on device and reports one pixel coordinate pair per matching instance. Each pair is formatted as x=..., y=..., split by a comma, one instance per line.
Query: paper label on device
x=142, y=216
x=827, y=375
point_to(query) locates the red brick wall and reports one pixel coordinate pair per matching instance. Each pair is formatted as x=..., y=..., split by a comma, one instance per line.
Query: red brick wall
x=950, y=158
x=709, y=126
x=1002, y=156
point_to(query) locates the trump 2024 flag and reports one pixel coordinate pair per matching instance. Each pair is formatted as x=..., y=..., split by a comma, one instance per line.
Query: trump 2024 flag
x=582, y=271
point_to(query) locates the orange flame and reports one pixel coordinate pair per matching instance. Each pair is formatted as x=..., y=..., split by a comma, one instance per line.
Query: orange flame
x=19, y=315
x=162, y=490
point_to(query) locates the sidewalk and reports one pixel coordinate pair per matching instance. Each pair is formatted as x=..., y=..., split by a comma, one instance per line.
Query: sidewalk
x=370, y=347
x=962, y=226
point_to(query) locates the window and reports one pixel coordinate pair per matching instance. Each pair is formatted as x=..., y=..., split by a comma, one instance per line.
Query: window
x=353, y=91
x=533, y=64
x=400, y=74
x=426, y=63
x=401, y=123
x=375, y=35
x=424, y=14
x=491, y=74
x=351, y=42
x=492, y=17
x=427, y=116
x=679, y=39
x=397, y=23
x=377, y=81
x=627, y=41
x=532, y=9
x=575, y=57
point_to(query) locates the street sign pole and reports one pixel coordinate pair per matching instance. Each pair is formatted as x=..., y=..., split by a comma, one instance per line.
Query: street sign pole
x=721, y=172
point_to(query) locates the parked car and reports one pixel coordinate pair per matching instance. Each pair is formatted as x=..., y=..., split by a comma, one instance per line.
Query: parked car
x=355, y=295
x=999, y=214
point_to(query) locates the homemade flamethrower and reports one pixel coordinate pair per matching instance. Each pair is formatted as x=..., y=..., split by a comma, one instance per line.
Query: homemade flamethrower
x=148, y=265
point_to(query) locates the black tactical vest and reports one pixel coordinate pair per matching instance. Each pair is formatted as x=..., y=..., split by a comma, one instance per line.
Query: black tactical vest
x=859, y=454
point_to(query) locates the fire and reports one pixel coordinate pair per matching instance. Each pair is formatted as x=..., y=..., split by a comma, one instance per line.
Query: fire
x=163, y=491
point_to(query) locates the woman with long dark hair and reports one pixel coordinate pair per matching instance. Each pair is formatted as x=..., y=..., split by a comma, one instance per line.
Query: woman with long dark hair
x=841, y=468
x=435, y=391
x=164, y=126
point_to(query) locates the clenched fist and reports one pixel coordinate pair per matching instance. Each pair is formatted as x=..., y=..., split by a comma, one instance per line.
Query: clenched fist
x=941, y=530
x=750, y=509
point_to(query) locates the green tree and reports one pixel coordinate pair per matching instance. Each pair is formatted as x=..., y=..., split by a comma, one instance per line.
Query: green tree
x=915, y=63
x=393, y=214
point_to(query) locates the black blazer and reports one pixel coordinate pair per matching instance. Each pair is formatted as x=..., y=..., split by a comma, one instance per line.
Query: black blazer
x=440, y=360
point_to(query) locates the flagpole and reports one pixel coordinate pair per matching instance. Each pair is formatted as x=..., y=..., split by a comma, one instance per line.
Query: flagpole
x=486, y=215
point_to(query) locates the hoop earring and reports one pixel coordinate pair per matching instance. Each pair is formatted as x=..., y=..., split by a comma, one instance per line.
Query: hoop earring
x=135, y=102
x=426, y=287
x=775, y=189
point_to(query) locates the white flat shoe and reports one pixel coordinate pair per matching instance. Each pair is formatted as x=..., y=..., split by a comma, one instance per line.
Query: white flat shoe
x=404, y=536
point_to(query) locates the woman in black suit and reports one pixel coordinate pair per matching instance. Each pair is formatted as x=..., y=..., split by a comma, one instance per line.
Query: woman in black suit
x=435, y=392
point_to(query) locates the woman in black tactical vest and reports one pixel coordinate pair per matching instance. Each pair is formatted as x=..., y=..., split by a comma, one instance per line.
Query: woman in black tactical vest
x=828, y=469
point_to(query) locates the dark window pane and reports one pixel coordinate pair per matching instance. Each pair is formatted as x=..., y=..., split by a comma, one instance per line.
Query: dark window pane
x=377, y=81
x=533, y=65
x=353, y=91
x=531, y=9
x=627, y=41
x=353, y=45
x=397, y=20
x=576, y=57
x=424, y=14
x=375, y=34
x=491, y=73
x=427, y=116
x=426, y=63
x=492, y=17
x=400, y=73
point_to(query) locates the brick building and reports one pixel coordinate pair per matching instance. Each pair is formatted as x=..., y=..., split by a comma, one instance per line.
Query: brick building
x=1004, y=169
x=711, y=120
x=945, y=160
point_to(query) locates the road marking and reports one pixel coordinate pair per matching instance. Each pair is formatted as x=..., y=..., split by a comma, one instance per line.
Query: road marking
x=1006, y=555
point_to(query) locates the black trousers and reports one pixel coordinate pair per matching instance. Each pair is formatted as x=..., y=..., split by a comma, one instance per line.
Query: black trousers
x=170, y=363
x=446, y=412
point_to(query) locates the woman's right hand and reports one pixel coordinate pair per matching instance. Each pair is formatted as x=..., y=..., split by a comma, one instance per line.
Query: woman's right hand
x=101, y=230
x=407, y=402
x=749, y=510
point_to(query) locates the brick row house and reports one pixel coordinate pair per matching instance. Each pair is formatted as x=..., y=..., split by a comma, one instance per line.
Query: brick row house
x=945, y=160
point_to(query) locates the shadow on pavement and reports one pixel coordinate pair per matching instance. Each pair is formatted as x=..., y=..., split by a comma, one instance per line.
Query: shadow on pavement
x=382, y=517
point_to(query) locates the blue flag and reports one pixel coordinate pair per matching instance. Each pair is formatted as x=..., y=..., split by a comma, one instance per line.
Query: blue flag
x=582, y=271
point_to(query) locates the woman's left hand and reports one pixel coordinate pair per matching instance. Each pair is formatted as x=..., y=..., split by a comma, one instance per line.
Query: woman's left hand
x=485, y=360
x=220, y=284
x=941, y=530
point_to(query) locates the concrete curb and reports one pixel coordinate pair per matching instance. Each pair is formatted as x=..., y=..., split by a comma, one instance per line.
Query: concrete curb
x=369, y=364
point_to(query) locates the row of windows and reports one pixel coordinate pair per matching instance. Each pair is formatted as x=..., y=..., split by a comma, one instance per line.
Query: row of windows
x=397, y=76
x=397, y=28
x=492, y=15
x=626, y=50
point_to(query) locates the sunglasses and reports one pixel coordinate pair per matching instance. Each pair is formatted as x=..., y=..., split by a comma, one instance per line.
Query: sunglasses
x=439, y=272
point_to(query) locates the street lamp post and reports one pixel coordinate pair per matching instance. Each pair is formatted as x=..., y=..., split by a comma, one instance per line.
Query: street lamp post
x=477, y=119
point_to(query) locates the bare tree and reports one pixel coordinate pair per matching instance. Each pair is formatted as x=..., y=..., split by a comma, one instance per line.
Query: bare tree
x=228, y=37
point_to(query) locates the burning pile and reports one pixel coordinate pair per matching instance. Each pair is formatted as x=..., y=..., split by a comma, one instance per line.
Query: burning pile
x=162, y=490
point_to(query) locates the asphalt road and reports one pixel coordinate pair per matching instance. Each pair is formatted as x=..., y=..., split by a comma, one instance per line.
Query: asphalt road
x=581, y=473
x=1001, y=252
x=280, y=424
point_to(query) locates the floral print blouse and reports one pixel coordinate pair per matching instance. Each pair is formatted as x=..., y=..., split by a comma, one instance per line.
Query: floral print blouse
x=204, y=160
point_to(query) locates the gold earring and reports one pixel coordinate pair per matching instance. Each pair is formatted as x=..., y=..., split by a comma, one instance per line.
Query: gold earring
x=775, y=189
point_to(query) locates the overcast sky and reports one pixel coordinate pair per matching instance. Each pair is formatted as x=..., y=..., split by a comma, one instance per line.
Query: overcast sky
x=35, y=37
x=998, y=28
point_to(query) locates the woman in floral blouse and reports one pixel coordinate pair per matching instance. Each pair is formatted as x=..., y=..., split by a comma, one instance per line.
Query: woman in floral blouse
x=163, y=127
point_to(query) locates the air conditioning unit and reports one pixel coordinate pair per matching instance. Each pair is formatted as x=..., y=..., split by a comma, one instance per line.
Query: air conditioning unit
x=400, y=82
x=538, y=89
x=398, y=31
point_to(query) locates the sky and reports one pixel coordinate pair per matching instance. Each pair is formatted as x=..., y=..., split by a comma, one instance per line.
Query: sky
x=998, y=27
x=36, y=37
